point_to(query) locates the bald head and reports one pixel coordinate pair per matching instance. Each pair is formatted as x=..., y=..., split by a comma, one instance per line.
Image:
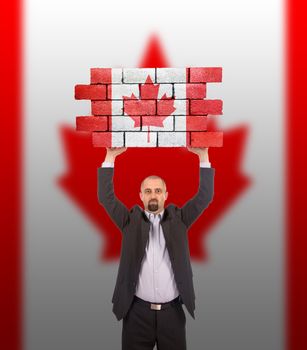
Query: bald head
x=153, y=177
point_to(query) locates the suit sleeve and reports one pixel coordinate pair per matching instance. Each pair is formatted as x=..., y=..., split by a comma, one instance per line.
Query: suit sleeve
x=106, y=196
x=196, y=205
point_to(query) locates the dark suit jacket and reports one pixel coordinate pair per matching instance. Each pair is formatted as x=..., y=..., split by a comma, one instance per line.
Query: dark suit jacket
x=134, y=226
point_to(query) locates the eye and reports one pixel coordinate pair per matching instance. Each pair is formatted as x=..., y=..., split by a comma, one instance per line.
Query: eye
x=158, y=190
x=147, y=191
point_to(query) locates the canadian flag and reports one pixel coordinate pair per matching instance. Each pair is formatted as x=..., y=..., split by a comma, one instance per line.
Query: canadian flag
x=59, y=253
x=150, y=107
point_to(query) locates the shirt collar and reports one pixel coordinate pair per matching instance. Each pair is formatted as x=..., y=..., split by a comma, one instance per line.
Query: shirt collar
x=148, y=213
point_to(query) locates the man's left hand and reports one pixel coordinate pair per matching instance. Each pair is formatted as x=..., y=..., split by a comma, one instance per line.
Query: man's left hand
x=202, y=152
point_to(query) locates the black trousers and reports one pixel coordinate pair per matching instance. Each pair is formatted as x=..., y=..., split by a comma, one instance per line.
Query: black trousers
x=144, y=327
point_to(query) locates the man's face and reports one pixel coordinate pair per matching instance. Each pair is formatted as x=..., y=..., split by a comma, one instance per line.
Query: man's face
x=153, y=195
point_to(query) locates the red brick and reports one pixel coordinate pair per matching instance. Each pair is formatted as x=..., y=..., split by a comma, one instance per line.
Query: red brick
x=196, y=123
x=91, y=123
x=204, y=75
x=140, y=107
x=101, y=75
x=201, y=107
x=196, y=90
x=102, y=107
x=206, y=139
x=102, y=139
x=90, y=92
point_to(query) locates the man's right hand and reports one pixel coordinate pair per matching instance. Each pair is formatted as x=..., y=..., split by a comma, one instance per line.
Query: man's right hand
x=113, y=152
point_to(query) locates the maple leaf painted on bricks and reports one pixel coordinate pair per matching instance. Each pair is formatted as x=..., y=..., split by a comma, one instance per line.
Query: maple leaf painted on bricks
x=150, y=107
x=148, y=92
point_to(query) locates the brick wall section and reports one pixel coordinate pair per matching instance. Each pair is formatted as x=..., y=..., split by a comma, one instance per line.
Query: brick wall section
x=150, y=107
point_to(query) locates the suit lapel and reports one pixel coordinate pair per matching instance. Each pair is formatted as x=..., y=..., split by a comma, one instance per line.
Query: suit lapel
x=145, y=226
x=165, y=223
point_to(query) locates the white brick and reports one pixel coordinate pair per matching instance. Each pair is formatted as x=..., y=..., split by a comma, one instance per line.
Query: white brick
x=168, y=125
x=124, y=123
x=171, y=75
x=117, y=76
x=117, y=139
x=118, y=91
x=181, y=107
x=138, y=75
x=180, y=91
x=165, y=89
x=140, y=139
x=180, y=123
x=117, y=107
x=172, y=139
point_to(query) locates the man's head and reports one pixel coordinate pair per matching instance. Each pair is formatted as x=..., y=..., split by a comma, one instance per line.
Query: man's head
x=153, y=193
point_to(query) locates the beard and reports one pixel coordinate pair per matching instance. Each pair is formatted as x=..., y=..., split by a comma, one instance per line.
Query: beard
x=153, y=205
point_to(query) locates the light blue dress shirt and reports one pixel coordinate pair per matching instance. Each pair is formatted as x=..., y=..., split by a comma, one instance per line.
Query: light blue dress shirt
x=156, y=281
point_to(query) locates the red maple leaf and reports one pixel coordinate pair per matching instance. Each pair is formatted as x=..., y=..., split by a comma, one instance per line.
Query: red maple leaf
x=150, y=91
x=80, y=180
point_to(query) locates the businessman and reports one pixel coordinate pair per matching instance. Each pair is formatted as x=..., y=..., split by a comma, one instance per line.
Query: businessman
x=154, y=276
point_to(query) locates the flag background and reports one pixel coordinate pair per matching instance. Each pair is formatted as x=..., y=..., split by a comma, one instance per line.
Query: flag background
x=67, y=289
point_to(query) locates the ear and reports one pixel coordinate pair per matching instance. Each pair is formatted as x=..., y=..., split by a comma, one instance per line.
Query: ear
x=166, y=195
x=141, y=196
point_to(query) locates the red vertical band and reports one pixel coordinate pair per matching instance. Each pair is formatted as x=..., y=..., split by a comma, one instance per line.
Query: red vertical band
x=296, y=170
x=11, y=176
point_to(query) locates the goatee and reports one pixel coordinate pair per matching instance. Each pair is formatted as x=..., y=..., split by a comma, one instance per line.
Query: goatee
x=153, y=206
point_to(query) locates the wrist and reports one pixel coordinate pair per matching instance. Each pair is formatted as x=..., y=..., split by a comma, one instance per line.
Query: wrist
x=204, y=158
x=109, y=159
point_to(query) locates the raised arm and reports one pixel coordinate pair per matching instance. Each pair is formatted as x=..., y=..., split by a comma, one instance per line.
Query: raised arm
x=115, y=208
x=196, y=205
